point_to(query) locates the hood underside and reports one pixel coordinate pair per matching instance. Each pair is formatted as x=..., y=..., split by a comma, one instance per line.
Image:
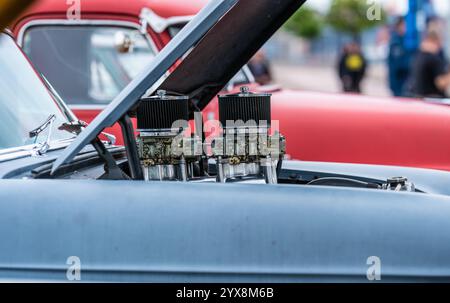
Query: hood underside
x=227, y=47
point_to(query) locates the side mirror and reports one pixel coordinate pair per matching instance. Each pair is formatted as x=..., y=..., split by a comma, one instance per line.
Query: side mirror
x=123, y=43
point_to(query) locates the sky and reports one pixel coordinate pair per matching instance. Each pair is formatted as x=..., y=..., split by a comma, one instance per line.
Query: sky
x=442, y=6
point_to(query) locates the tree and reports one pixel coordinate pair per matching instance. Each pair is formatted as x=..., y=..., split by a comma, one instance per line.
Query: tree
x=306, y=23
x=354, y=16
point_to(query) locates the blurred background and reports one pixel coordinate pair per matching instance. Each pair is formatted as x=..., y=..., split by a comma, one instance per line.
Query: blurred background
x=311, y=51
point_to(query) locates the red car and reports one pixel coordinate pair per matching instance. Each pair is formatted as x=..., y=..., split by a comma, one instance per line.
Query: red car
x=89, y=61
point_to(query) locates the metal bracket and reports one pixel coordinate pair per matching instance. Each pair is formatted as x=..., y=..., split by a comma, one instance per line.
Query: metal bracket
x=113, y=171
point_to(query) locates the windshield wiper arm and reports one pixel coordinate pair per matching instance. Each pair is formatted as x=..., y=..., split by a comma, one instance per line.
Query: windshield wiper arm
x=43, y=147
x=78, y=126
x=35, y=132
x=73, y=127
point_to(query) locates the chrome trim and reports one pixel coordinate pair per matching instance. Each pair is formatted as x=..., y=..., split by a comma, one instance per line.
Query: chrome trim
x=87, y=107
x=111, y=138
x=42, y=148
x=159, y=24
x=29, y=150
x=248, y=73
x=8, y=32
x=86, y=22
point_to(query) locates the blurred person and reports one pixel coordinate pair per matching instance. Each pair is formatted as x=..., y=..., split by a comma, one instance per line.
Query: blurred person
x=352, y=68
x=398, y=59
x=260, y=68
x=430, y=77
x=437, y=25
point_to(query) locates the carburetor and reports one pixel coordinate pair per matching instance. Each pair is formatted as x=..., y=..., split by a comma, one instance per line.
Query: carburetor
x=247, y=150
x=165, y=153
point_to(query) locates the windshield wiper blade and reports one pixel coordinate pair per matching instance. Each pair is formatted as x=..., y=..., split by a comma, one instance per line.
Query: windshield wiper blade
x=43, y=147
x=77, y=127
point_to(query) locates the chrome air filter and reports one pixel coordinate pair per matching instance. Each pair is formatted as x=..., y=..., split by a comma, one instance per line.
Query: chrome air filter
x=161, y=111
x=245, y=106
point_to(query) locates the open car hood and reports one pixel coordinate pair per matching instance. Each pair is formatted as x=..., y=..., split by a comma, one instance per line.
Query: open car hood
x=225, y=33
x=227, y=47
x=11, y=9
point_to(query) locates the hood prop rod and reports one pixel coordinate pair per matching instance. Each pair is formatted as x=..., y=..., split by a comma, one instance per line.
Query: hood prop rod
x=129, y=139
x=113, y=171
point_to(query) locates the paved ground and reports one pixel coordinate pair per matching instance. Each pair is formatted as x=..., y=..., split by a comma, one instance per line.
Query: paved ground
x=324, y=78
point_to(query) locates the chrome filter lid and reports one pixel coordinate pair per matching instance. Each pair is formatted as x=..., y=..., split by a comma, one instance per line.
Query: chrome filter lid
x=161, y=111
x=245, y=106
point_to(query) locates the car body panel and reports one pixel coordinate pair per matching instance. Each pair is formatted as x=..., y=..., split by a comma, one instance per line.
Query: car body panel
x=164, y=8
x=228, y=233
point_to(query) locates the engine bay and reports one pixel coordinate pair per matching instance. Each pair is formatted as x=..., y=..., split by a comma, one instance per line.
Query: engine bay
x=243, y=146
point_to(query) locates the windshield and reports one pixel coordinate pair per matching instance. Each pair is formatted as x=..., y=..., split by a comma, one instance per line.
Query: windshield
x=88, y=64
x=25, y=103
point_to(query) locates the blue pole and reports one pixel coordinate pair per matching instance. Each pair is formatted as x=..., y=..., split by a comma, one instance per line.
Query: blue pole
x=412, y=38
